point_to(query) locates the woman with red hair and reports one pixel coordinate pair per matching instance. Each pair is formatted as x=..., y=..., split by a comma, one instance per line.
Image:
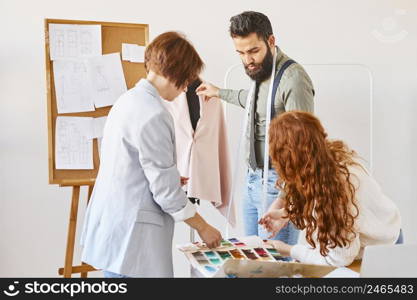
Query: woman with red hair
x=327, y=193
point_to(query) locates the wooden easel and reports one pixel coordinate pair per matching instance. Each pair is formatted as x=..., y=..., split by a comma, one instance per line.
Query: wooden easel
x=112, y=35
x=68, y=268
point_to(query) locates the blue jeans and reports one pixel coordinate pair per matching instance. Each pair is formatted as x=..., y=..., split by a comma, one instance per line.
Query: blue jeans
x=108, y=274
x=253, y=207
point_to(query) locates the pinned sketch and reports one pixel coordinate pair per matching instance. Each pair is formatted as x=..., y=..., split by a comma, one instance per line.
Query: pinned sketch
x=73, y=147
x=133, y=53
x=98, y=126
x=81, y=84
x=72, y=88
x=74, y=41
x=107, y=78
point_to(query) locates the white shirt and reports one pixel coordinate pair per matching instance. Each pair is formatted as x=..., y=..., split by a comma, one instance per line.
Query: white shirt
x=378, y=223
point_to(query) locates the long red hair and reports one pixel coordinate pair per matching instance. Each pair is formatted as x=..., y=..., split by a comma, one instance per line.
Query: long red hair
x=314, y=176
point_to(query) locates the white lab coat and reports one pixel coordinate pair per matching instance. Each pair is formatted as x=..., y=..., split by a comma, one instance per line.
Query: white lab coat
x=137, y=197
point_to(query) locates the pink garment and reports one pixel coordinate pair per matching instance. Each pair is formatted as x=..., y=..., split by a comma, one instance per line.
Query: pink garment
x=203, y=155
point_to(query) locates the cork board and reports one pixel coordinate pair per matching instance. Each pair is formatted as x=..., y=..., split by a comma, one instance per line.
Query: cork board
x=112, y=35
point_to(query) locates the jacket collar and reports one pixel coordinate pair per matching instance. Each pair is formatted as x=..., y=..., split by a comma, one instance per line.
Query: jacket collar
x=146, y=85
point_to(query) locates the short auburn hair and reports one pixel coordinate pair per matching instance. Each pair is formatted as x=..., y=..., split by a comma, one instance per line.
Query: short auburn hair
x=171, y=55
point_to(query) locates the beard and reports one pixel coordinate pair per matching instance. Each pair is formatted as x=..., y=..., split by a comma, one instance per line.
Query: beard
x=262, y=70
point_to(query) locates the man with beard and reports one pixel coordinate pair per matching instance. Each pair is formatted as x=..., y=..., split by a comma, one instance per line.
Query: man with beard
x=255, y=43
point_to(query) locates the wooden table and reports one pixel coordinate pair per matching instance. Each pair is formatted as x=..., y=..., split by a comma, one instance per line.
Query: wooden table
x=355, y=266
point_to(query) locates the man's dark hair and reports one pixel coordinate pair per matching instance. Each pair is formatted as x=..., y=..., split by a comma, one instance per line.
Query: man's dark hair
x=248, y=22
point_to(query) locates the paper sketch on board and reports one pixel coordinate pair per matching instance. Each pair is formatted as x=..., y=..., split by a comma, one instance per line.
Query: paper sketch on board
x=73, y=145
x=72, y=88
x=133, y=53
x=107, y=78
x=74, y=41
x=97, y=127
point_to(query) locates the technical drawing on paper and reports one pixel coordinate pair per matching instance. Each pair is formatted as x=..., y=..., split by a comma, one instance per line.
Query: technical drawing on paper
x=107, y=78
x=86, y=43
x=59, y=43
x=72, y=38
x=72, y=88
x=74, y=41
x=100, y=82
x=73, y=147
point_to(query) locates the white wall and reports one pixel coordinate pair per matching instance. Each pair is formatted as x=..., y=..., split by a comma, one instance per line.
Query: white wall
x=33, y=214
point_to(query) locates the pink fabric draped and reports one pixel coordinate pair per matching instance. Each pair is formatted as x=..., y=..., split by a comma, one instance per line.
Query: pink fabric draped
x=203, y=155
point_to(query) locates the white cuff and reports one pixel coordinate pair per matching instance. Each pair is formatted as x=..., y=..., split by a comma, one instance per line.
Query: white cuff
x=188, y=211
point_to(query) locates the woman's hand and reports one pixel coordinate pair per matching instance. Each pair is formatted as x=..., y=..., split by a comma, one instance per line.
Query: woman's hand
x=210, y=235
x=283, y=248
x=273, y=221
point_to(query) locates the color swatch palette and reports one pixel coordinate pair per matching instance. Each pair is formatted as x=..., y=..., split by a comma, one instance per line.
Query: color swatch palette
x=208, y=261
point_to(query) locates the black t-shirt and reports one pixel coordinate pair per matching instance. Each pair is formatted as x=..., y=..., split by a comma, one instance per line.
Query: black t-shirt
x=193, y=103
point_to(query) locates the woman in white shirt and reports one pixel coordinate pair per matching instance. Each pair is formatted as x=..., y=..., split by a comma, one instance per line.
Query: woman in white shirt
x=326, y=193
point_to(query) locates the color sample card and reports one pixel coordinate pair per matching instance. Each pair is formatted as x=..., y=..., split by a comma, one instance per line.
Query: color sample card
x=226, y=244
x=215, y=261
x=210, y=269
x=200, y=258
x=237, y=254
x=199, y=255
x=203, y=262
x=249, y=254
x=261, y=252
x=273, y=251
x=210, y=254
x=278, y=257
x=224, y=254
x=240, y=244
